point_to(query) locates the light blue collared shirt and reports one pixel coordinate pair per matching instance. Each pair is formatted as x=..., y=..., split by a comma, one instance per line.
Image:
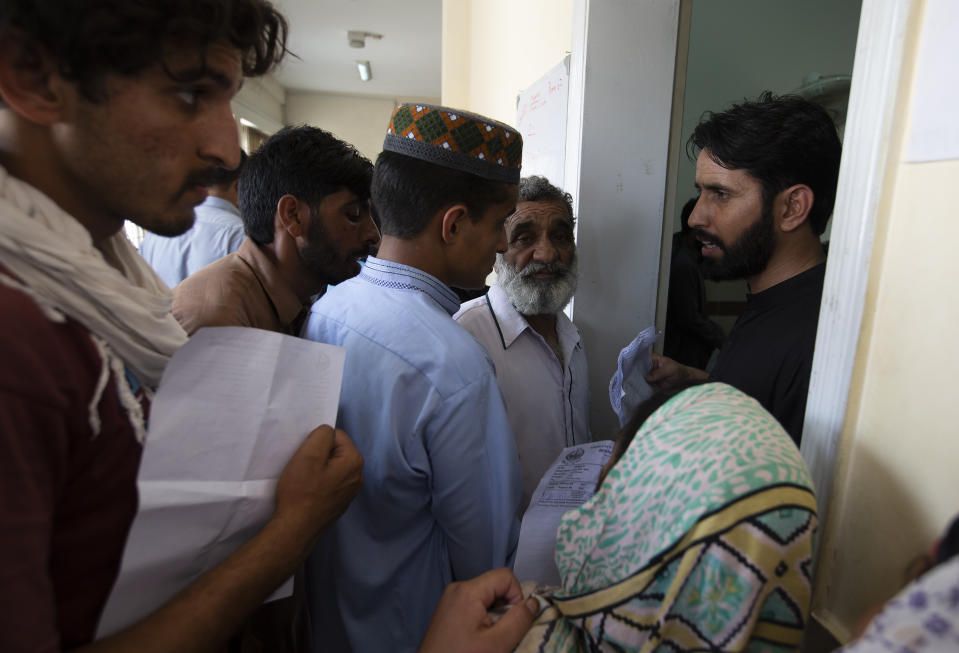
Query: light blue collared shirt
x=442, y=481
x=218, y=231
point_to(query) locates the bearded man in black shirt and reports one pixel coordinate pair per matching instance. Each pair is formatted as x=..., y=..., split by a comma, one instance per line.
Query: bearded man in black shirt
x=766, y=172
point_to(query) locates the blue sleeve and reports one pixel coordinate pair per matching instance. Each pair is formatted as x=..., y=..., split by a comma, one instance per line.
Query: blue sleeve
x=477, y=484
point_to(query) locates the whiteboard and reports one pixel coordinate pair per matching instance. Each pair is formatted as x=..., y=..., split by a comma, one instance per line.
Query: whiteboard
x=541, y=119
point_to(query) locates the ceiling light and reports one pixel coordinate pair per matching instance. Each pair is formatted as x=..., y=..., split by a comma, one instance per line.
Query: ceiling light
x=364, y=69
x=357, y=38
x=247, y=123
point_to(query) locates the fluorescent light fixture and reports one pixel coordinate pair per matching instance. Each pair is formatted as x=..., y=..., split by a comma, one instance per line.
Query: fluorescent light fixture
x=364, y=69
x=244, y=121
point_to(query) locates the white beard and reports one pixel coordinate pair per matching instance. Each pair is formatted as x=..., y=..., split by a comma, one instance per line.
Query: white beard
x=532, y=296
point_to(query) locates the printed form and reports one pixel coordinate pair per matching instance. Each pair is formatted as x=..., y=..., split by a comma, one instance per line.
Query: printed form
x=567, y=484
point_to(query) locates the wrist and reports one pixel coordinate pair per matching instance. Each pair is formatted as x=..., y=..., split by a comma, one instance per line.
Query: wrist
x=291, y=531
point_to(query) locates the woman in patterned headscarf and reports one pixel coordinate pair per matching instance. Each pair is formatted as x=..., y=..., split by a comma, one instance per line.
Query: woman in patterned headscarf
x=699, y=538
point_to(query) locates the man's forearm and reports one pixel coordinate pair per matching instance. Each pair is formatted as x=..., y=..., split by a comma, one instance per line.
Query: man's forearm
x=208, y=612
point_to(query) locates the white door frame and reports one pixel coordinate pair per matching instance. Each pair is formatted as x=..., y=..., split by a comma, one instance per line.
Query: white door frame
x=873, y=100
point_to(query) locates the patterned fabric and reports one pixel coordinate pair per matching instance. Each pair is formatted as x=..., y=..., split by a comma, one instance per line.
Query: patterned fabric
x=700, y=538
x=924, y=617
x=456, y=139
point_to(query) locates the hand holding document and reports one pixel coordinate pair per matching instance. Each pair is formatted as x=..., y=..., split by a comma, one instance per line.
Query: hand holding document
x=628, y=387
x=567, y=484
x=232, y=407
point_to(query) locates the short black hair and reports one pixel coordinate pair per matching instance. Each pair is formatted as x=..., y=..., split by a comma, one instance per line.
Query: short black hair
x=781, y=141
x=90, y=39
x=306, y=162
x=538, y=189
x=408, y=192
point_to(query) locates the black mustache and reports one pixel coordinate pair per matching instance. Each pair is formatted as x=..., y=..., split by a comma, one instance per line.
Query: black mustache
x=701, y=234
x=215, y=176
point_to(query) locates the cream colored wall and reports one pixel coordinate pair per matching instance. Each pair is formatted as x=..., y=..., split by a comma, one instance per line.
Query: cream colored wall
x=493, y=49
x=456, y=52
x=361, y=121
x=897, y=486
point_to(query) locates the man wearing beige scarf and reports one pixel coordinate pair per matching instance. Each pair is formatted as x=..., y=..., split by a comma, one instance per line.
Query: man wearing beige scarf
x=112, y=111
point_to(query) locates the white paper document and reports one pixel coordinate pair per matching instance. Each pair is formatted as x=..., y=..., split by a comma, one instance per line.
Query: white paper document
x=232, y=407
x=567, y=484
x=933, y=130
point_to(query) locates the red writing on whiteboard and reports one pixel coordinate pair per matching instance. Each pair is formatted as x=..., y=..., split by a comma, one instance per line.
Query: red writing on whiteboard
x=536, y=101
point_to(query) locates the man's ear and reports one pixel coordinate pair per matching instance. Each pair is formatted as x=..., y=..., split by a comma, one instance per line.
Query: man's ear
x=29, y=81
x=292, y=216
x=452, y=222
x=798, y=202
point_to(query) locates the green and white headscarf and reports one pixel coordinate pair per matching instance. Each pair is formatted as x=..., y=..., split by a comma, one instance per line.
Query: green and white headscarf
x=700, y=538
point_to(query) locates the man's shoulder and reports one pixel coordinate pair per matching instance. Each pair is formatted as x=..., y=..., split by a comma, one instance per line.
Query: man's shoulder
x=153, y=246
x=474, y=311
x=216, y=218
x=470, y=305
x=215, y=295
x=229, y=273
x=377, y=324
x=43, y=351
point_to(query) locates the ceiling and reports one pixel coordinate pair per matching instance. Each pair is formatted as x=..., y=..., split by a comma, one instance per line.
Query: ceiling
x=405, y=62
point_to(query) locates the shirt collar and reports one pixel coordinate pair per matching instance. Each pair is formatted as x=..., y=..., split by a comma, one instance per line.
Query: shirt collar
x=222, y=204
x=396, y=275
x=512, y=323
x=286, y=304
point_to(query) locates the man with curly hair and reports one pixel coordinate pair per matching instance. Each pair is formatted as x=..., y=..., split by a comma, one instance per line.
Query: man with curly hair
x=114, y=110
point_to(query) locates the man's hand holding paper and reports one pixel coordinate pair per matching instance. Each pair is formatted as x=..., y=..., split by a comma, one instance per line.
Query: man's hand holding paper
x=233, y=453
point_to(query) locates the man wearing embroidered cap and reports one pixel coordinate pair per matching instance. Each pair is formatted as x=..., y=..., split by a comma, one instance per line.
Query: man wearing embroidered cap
x=442, y=475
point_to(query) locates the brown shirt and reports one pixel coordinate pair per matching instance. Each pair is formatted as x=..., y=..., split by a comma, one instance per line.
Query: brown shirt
x=241, y=289
x=245, y=289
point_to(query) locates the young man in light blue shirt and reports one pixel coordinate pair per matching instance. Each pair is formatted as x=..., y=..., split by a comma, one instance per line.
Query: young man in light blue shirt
x=442, y=481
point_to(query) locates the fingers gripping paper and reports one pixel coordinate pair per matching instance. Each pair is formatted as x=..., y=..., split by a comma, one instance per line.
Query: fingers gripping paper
x=232, y=407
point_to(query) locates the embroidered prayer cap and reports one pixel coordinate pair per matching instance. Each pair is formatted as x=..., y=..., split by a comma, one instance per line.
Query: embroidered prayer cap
x=456, y=139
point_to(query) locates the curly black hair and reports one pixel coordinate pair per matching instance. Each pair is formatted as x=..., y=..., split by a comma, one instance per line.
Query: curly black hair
x=90, y=39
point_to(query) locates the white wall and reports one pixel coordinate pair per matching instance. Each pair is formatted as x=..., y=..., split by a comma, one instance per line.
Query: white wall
x=617, y=151
x=361, y=121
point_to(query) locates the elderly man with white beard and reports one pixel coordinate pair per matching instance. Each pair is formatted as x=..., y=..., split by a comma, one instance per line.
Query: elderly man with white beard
x=538, y=354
